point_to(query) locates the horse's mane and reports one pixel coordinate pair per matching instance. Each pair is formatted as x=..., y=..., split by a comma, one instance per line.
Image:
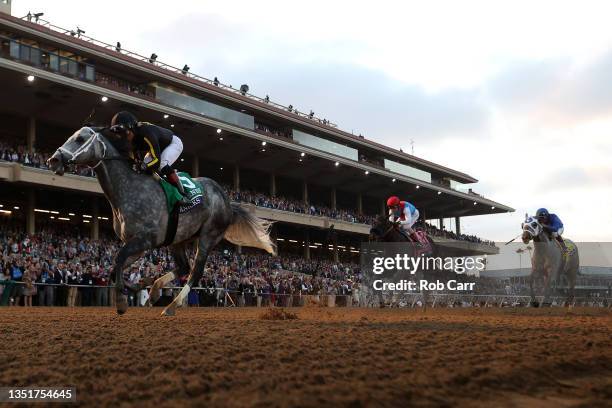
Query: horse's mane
x=119, y=142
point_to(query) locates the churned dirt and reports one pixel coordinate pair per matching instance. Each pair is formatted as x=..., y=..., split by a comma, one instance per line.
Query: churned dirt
x=325, y=357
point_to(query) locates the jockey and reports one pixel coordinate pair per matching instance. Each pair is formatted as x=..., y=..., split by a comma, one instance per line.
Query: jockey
x=551, y=224
x=406, y=213
x=161, y=145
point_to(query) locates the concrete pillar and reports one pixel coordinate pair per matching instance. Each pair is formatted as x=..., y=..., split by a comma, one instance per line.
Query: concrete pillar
x=95, y=221
x=441, y=222
x=306, y=245
x=383, y=208
x=195, y=167
x=458, y=225
x=273, y=185
x=359, y=204
x=237, y=178
x=333, y=198
x=305, y=192
x=336, y=256
x=31, y=134
x=30, y=214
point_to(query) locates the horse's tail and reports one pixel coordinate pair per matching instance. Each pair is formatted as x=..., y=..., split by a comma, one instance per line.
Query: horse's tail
x=248, y=230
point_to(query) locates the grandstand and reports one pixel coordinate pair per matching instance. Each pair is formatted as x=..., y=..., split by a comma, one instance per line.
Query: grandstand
x=298, y=170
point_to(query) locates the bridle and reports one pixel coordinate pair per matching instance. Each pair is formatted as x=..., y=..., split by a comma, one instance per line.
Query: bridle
x=85, y=147
x=532, y=226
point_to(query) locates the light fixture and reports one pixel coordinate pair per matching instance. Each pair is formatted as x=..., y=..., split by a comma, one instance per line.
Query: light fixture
x=417, y=187
x=182, y=160
x=166, y=116
x=393, y=181
x=264, y=143
x=493, y=207
x=86, y=221
x=86, y=216
x=263, y=150
x=221, y=138
x=301, y=160
x=336, y=164
x=218, y=130
x=172, y=125
x=16, y=208
x=185, y=69
x=104, y=98
x=302, y=154
x=52, y=217
x=71, y=214
x=367, y=172
x=153, y=58
x=475, y=203
x=30, y=78
x=221, y=168
x=63, y=218
x=439, y=192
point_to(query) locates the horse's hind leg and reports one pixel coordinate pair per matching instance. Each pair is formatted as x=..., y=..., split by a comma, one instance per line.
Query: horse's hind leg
x=205, y=244
x=179, y=253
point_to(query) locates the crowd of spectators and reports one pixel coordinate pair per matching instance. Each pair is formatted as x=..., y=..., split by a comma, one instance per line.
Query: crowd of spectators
x=297, y=206
x=443, y=233
x=271, y=131
x=64, y=258
x=20, y=154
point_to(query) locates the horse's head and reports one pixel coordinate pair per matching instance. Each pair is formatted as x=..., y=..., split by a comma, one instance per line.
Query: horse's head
x=85, y=147
x=379, y=229
x=531, y=229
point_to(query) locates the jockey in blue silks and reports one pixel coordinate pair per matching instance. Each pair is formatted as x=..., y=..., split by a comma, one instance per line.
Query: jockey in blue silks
x=551, y=224
x=405, y=214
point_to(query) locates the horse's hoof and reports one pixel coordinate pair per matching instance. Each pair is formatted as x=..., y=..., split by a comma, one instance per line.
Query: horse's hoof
x=122, y=304
x=168, y=312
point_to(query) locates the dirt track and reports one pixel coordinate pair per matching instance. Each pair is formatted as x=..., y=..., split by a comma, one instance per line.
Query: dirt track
x=340, y=357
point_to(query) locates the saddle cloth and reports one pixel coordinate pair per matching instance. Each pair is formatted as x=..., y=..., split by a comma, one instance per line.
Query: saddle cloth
x=193, y=190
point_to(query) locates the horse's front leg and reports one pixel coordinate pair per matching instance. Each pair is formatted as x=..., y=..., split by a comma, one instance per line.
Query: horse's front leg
x=548, y=279
x=128, y=250
x=532, y=278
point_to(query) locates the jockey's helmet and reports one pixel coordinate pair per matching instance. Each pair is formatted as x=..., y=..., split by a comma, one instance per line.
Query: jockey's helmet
x=125, y=120
x=542, y=213
x=393, y=201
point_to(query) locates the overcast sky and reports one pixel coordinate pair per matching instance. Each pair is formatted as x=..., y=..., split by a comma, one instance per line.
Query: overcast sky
x=516, y=94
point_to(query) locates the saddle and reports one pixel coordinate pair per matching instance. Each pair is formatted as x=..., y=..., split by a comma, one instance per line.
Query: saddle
x=193, y=191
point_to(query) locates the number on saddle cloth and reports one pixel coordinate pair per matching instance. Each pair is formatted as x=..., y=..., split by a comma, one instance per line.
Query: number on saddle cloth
x=193, y=192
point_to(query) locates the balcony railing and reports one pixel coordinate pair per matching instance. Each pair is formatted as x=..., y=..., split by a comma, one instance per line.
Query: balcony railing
x=80, y=34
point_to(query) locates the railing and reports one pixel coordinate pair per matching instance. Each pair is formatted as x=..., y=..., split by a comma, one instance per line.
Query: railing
x=78, y=33
x=230, y=297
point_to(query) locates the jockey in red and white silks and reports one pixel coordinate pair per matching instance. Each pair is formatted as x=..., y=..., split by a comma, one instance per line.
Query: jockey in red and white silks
x=405, y=214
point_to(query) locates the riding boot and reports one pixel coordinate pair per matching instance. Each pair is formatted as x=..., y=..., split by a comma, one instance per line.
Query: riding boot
x=172, y=177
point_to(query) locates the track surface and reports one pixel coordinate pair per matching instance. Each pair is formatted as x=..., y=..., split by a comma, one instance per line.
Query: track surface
x=339, y=357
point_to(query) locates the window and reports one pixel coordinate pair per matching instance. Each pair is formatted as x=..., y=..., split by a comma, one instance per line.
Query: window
x=325, y=145
x=90, y=73
x=54, y=62
x=202, y=107
x=407, y=170
x=14, y=49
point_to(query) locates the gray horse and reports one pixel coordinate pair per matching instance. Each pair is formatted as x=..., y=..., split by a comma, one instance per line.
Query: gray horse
x=548, y=262
x=140, y=217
